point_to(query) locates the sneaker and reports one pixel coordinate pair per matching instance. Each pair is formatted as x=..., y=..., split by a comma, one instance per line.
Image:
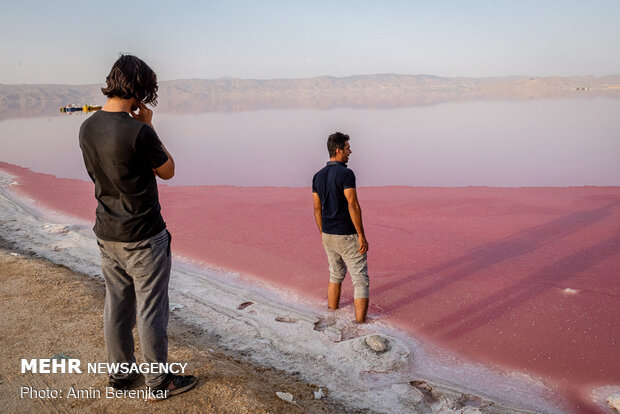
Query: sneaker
x=123, y=383
x=180, y=383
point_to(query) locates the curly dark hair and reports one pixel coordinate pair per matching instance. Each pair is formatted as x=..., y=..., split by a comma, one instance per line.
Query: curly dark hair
x=130, y=78
x=336, y=141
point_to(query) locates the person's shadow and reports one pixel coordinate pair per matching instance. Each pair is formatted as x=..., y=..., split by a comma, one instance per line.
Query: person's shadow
x=549, y=277
x=527, y=241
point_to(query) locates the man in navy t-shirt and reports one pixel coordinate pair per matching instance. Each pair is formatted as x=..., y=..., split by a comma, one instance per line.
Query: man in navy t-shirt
x=339, y=218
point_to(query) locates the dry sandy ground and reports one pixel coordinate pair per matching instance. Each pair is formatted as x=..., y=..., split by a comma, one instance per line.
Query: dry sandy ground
x=49, y=310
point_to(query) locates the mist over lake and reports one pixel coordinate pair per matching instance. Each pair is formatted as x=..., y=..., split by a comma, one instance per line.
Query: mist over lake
x=570, y=142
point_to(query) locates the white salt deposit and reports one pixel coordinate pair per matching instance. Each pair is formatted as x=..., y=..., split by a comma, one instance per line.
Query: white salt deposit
x=607, y=397
x=175, y=306
x=273, y=328
x=319, y=394
x=285, y=396
x=614, y=402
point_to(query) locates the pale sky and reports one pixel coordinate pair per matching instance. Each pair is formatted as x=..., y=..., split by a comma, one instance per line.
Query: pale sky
x=77, y=42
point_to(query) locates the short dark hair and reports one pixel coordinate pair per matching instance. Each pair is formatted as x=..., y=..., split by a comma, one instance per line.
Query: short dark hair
x=130, y=78
x=336, y=141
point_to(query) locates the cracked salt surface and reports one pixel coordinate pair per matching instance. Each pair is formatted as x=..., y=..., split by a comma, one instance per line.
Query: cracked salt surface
x=277, y=328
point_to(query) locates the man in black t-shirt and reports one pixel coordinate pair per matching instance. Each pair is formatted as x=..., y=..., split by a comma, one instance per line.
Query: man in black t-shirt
x=339, y=218
x=123, y=154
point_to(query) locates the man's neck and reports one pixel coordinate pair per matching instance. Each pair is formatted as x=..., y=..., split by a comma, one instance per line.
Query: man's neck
x=116, y=104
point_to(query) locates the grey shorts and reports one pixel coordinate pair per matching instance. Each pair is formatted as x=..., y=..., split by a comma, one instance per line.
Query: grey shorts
x=342, y=255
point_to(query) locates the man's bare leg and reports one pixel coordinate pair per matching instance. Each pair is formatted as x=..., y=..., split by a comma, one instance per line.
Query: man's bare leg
x=333, y=295
x=361, y=308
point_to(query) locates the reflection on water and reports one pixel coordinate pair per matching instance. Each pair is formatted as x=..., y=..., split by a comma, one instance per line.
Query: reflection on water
x=525, y=143
x=378, y=91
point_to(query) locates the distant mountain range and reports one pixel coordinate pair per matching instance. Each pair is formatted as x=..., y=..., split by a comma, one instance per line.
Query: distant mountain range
x=324, y=92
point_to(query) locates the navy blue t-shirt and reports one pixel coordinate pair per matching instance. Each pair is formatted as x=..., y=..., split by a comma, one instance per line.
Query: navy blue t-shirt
x=329, y=183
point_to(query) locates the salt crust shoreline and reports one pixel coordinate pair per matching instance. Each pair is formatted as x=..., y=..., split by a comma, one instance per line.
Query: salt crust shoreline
x=280, y=329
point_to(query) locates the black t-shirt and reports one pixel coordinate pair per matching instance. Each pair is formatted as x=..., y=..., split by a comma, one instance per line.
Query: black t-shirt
x=120, y=153
x=329, y=183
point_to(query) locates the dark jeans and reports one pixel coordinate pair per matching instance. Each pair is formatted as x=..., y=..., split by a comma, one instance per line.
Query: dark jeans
x=136, y=277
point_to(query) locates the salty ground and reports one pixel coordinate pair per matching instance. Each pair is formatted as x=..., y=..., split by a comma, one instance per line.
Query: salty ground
x=50, y=310
x=505, y=294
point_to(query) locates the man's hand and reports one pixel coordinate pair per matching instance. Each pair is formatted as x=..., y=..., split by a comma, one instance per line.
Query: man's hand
x=317, y=211
x=144, y=114
x=356, y=217
x=363, y=244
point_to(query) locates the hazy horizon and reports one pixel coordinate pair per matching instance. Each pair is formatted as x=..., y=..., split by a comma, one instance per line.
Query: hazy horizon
x=336, y=77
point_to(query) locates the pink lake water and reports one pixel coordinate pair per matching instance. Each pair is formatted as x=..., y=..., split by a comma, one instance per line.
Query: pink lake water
x=523, y=278
x=519, y=278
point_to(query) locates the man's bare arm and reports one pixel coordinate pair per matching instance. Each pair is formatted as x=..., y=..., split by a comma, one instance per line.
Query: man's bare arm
x=356, y=216
x=166, y=170
x=317, y=211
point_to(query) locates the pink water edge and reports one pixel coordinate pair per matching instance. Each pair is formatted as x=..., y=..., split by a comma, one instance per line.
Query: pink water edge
x=525, y=279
